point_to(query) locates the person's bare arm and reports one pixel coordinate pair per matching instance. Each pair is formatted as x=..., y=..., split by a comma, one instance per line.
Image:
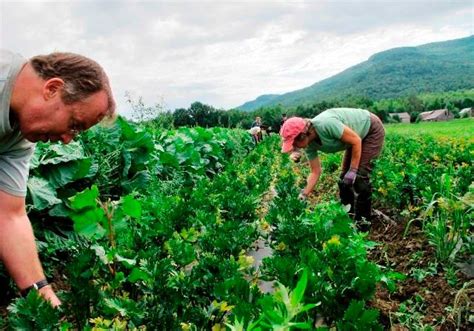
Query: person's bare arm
x=350, y=137
x=313, y=177
x=17, y=246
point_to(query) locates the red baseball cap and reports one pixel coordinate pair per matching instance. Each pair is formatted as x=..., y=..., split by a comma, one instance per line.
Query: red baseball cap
x=289, y=131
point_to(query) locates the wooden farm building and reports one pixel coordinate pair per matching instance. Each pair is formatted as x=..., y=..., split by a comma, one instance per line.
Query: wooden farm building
x=436, y=115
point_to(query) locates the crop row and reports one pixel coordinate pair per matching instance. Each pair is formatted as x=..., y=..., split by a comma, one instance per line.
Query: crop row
x=143, y=228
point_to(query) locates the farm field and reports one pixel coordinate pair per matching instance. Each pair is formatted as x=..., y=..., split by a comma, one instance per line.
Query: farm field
x=149, y=229
x=424, y=206
x=457, y=128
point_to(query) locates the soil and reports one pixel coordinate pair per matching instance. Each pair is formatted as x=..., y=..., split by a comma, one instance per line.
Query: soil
x=403, y=254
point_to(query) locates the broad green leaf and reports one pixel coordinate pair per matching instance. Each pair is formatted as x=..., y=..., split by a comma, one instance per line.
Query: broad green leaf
x=85, y=199
x=59, y=210
x=131, y=207
x=137, y=275
x=42, y=193
x=116, y=305
x=169, y=159
x=65, y=173
x=88, y=223
x=119, y=220
x=397, y=275
x=137, y=182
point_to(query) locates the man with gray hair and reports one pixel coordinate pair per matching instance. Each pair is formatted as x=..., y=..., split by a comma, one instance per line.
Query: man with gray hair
x=47, y=98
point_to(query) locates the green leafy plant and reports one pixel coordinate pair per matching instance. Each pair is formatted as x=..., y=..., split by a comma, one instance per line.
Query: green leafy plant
x=421, y=273
x=410, y=314
x=33, y=313
x=281, y=310
x=447, y=221
x=357, y=317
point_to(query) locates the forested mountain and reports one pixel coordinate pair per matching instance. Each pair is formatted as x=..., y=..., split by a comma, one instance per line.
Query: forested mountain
x=398, y=72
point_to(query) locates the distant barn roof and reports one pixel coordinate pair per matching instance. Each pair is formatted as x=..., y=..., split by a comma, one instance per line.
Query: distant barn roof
x=433, y=114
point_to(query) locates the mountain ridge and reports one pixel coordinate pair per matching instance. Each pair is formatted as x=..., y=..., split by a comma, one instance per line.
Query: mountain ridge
x=396, y=72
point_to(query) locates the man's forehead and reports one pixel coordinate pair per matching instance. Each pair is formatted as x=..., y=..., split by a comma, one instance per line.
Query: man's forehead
x=92, y=110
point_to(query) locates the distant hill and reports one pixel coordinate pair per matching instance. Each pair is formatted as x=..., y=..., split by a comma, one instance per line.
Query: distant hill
x=397, y=72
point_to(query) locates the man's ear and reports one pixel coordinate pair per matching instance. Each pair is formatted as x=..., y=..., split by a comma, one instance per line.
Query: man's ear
x=52, y=87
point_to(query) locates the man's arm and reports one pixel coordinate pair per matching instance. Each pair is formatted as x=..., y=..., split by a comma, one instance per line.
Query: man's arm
x=17, y=246
x=315, y=166
x=350, y=137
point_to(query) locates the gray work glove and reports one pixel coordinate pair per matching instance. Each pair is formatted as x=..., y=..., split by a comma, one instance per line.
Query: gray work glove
x=350, y=177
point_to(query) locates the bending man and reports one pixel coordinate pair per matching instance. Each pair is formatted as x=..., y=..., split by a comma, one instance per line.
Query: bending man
x=358, y=132
x=48, y=98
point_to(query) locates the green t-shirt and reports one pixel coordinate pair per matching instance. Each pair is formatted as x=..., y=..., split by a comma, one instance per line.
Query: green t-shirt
x=15, y=150
x=329, y=126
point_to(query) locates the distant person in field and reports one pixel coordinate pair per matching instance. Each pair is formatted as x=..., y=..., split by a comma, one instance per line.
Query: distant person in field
x=357, y=132
x=46, y=98
x=257, y=124
x=255, y=132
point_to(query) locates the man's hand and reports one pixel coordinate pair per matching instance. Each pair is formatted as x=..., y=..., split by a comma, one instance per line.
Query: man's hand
x=350, y=177
x=17, y=246
x=48, y=294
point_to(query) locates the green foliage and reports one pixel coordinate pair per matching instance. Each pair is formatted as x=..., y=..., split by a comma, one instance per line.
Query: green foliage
x=425, y=160
x=281, y=310
x=324, y=241
x=410, y=314
x=159, y=233
x=197, y=152
x=89, y=218
x=166, y=245
x=448, y=220
x=457, y=129
x=357, y=317
x=53, y=167
x=420, y=274
x=41, y=194
x=121, y=153
x=32, y=313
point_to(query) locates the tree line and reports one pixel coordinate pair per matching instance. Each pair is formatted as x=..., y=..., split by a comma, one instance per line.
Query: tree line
x=199, y=114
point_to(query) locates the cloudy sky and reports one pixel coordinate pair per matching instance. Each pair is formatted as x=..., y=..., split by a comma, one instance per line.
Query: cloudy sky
x=224, y=53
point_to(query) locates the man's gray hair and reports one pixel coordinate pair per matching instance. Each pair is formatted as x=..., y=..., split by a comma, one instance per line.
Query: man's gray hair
x=82, y=76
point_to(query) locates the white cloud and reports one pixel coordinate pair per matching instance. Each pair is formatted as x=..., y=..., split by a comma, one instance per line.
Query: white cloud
x=225, y=53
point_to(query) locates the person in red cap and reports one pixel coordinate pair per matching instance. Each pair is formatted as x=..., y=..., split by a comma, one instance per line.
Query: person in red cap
x=357, y=132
